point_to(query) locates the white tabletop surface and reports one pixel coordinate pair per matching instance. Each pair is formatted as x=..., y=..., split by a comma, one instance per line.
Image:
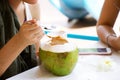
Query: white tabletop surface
x=87, y=67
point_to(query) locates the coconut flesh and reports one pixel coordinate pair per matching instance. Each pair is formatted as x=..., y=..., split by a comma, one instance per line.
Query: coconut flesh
x=57, y=54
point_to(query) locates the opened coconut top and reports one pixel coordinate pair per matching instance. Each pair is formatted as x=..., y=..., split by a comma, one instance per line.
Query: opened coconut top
x=58, y=40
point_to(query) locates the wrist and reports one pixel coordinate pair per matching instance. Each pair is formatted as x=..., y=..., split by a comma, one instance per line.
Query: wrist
x=108, y=37
x=21, y=40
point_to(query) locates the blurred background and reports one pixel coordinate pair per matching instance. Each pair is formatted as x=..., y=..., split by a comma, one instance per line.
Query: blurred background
x=70, y=13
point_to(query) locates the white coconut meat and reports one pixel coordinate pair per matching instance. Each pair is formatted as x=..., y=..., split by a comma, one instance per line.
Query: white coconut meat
x=60, y=44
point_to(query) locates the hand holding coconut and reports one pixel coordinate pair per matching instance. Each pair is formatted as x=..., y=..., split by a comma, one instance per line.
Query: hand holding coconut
x=58, y=54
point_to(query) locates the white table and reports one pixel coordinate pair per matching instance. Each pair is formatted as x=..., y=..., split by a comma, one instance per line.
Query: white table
x=85, y=69
x=82, y=71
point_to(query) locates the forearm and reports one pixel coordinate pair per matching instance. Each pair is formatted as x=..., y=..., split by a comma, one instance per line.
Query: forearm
x=9, y=52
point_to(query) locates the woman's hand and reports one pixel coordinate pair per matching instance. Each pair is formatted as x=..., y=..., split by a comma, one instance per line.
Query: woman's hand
x=116, y=43
x=30, y=32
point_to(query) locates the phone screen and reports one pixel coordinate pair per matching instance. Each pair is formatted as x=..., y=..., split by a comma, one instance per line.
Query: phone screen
x=94, y=50
x=101, y=49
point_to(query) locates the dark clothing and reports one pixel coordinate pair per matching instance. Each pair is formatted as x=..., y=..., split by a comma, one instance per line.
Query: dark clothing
x=9, y=26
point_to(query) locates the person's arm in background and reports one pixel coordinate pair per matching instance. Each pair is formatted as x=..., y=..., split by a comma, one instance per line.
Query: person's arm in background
x=35, y=11
x=106, y=22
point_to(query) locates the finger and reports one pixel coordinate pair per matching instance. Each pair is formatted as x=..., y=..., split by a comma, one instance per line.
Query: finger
x=35, y=39
x=31, y=21
x=39, y=35
x=36, y=31
x=30, y=26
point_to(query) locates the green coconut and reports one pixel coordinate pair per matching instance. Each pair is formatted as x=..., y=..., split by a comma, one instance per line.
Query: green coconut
x=57, y=54
x=59, y=63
